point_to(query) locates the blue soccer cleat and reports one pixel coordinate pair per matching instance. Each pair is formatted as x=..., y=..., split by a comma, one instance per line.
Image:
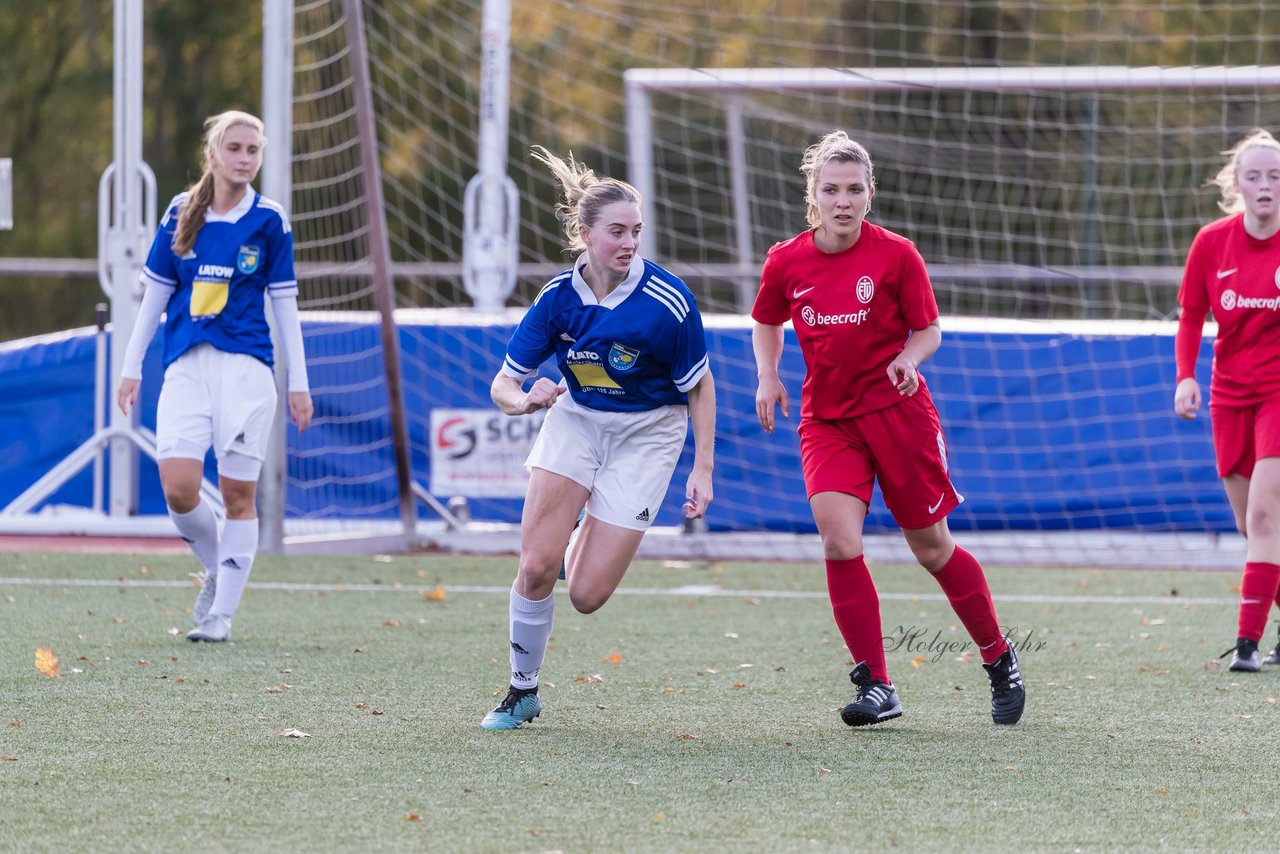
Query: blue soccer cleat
x=518, y=708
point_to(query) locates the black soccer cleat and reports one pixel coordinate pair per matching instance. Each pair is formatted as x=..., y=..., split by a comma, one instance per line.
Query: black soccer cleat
x=876, y=702
x=1244, y=656
x=1008, y=696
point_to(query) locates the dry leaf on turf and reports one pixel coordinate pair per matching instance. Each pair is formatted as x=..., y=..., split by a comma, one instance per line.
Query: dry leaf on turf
x=436, y=595
x=278, y=689
x=613, y=658
x=47, y=662
x=292, y=733
x=413, y=816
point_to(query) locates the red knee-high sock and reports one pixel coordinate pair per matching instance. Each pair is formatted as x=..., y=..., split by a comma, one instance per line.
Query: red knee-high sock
x=965, y=584
x=856, y=606
x=1258, y=590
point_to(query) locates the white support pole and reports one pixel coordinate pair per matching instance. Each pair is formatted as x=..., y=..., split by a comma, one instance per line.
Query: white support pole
x=277, y=184
x=6, y=194
x=126, y=240
x=745, y=282
x=491, y=204
x=640, y=157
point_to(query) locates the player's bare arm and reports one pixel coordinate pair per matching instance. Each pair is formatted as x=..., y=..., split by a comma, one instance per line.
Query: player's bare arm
x=766, y=343
x=702, y=412
x=922, y=344
x=510, y=396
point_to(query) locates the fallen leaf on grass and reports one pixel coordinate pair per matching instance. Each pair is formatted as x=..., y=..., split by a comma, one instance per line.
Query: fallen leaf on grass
x=278, y=689
x=292, y=733
x=436, y=595
x=593, y=679
x=739, y=685
x=47, y=662
x=1161, y=790
x=1211, y=666
x=918, y=660
x=413, y=816
x=8, y=759
x=613, y=658
x=685, y=736
x=824, y=770
x=1010, y=768
x=361, y=705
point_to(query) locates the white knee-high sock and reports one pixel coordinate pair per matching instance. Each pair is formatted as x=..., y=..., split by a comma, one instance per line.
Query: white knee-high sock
x=200, y=529
x=530, y=630
x=236, y=551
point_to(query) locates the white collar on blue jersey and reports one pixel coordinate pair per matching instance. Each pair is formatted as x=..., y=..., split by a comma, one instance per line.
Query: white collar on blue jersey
x=616, y=296
x=233, y=216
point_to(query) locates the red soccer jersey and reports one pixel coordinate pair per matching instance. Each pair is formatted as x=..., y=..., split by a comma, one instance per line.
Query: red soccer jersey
x=1238, y=278
x=852, y=311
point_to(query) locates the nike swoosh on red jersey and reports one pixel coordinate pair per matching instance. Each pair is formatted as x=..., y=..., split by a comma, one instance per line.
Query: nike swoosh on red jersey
x=935, y=507
x=799, y=293
x=1222, y=274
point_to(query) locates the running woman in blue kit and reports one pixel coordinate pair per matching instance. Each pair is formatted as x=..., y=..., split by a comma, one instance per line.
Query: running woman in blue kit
x=628, y=339
x=219, y=249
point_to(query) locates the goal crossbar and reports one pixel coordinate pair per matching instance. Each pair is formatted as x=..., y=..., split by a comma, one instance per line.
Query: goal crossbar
x=640, y=84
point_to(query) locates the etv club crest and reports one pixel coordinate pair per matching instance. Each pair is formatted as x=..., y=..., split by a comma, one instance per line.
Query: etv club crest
x=866, y=289
x=247, y=259
x=622, y=358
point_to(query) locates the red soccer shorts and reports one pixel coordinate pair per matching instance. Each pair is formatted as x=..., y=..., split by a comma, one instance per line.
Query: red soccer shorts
x=901, y=446
x=1242, y=435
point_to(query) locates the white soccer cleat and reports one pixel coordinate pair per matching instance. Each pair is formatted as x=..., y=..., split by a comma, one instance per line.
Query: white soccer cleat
x=212, y=629
x=204, y=599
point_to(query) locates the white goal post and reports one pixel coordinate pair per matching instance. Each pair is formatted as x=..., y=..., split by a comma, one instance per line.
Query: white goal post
x=641, y=84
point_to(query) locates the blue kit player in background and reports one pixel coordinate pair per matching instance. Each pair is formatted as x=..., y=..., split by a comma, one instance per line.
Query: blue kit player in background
x=628, y=340
x=219, y=249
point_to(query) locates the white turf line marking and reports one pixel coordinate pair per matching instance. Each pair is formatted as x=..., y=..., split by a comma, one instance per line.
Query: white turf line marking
x=686, y=590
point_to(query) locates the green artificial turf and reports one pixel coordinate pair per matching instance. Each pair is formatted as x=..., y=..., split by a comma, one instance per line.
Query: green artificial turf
x=673, y=719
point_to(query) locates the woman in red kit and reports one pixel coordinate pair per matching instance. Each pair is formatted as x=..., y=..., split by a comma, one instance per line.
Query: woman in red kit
x=865, y=316
x=1233, y=269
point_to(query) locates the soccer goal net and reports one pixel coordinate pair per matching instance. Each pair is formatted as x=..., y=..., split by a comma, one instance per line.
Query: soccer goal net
x=1048, y=159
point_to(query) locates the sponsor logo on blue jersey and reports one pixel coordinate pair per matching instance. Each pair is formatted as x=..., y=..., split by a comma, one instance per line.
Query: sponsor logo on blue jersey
x=247, y=259
x=622, y=358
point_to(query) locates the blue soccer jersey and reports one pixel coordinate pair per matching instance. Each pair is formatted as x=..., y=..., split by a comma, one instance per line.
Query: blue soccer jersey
x=219, y=286
x=640, y=348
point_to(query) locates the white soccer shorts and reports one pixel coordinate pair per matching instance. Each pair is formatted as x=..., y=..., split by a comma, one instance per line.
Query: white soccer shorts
x=624, y=458
x=226, y=401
